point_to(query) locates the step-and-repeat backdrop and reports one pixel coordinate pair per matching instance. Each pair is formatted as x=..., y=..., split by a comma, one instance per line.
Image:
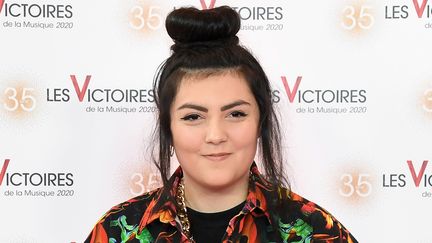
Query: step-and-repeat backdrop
x=352, y=81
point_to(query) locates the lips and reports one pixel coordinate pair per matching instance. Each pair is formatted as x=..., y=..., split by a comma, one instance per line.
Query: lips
x=217, y=156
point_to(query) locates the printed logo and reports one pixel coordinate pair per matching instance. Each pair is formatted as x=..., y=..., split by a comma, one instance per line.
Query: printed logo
x=420, y=9
x=80, y=92
x=357, y=17
x=4, y=169
x=36, y=16
x=126, y=100
x=146, y=17
x=36, y=184
x=143, y=182
x=255, y=18
x=291, y=94
x=1, y=5
x=139, y=177
x=205, y=6
x=356, y=185
x=402, y=11
x=417, y=177
x=19, y=100
x=418, y=174
x=322, y=98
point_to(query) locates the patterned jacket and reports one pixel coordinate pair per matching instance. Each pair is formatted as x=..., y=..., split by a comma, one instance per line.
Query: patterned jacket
x=151, y=217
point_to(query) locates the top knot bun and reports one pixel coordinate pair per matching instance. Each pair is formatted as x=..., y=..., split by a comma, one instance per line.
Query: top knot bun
x=190, y=25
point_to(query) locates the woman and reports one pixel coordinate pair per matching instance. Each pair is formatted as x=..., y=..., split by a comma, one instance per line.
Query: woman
x=215, y=111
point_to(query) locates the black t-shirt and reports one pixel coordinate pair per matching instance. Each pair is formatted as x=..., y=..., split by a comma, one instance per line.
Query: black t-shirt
x=211, y=227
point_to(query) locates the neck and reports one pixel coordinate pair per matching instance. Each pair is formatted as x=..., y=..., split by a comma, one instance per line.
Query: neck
x=211, y=200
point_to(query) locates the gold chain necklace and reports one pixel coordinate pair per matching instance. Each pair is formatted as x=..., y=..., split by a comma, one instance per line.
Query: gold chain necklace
x=182, y=213
x=181, y=209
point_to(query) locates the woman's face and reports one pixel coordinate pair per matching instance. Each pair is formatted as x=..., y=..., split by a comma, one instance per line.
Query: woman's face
x=214, y=124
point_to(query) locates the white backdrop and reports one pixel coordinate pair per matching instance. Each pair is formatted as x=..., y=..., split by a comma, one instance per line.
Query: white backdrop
x=352, y=81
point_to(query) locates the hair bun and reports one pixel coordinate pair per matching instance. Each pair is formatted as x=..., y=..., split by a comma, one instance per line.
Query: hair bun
x=190, y=25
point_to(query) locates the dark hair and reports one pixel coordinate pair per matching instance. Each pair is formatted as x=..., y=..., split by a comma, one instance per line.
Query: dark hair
x=205, y=43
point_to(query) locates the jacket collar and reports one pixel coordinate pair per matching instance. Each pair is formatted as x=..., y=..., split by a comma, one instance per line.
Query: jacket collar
x=256, y=202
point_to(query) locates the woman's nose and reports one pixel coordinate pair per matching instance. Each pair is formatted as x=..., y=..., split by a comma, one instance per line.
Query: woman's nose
x=215, y=132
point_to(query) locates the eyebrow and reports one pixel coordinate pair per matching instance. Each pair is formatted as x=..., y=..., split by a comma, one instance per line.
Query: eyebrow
x=223, y=108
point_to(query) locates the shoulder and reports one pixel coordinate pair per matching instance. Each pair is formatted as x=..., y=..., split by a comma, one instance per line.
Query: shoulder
x=124, y=218
x=133, y=208
x=308, y=219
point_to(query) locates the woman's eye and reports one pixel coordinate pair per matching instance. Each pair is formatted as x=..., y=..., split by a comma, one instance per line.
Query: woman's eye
x=238, y=114
x=191, y=117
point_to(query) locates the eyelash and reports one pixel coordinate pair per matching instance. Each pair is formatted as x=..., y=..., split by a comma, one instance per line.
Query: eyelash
x=194, y=117
x=191, y=117
x=238, y=114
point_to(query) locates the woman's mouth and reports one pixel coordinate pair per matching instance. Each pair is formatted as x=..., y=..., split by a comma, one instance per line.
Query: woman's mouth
x=217, y=156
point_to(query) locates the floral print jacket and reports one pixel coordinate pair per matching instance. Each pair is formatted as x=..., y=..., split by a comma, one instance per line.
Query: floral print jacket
x=151, y=217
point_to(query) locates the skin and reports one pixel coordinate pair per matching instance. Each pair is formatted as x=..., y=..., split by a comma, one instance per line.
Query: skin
x=214, y=123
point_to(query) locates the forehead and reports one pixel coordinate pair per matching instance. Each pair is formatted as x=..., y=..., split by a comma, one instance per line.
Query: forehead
x=220, y=87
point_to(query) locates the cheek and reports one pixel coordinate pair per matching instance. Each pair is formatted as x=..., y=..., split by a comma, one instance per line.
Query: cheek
x=245, y=135
x=186, y=138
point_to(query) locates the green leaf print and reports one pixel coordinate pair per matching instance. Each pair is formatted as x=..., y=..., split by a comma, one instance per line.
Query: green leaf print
x=300, y=228
x=128, y=230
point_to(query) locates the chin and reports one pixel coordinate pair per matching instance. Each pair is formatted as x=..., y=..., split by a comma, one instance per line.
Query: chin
x=221, y=181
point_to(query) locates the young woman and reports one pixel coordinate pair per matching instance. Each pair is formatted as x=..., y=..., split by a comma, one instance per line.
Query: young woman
x=215, y=113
